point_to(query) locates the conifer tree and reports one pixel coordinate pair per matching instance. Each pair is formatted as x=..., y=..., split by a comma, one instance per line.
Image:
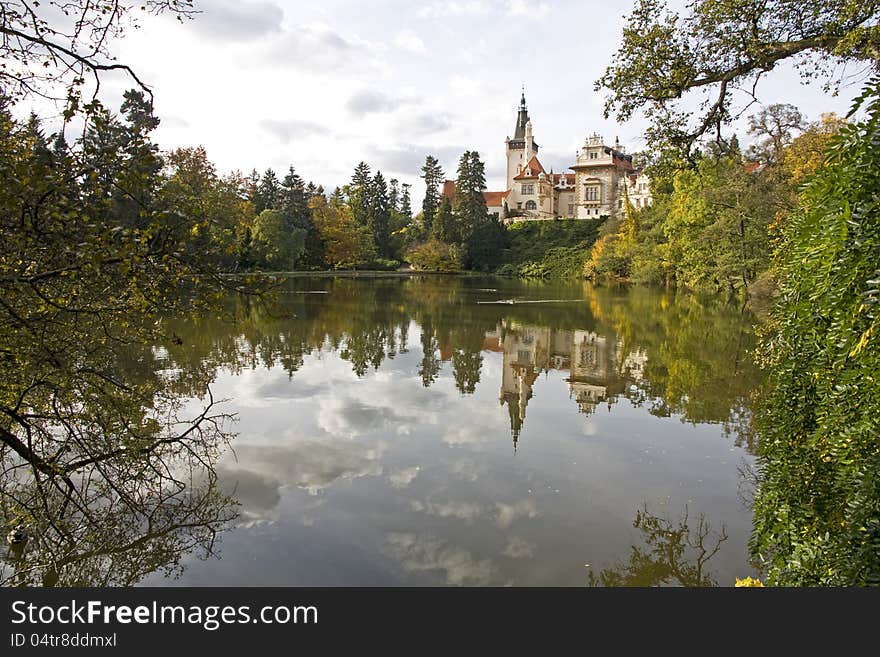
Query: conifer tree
x=433, y=176
x=444, y=228
x=406, y=203
x=394, y=194
x=268, y=193
x=481, y=234
x=297, y=214
x=379, y=215
x=359, y=192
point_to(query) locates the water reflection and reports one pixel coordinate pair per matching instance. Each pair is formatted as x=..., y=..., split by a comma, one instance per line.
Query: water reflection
x=674, y=353
x=119, y=482
x=417, y=431
x=675, y=553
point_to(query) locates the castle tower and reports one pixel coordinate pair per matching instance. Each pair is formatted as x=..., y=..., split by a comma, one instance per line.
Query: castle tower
x=522, y=147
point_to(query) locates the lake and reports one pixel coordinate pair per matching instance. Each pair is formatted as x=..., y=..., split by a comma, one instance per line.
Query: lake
x=477, y=431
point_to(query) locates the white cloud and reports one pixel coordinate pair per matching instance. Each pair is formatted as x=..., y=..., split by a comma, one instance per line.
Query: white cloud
x=533, y=10
x=257, y=83
x=409, y=41
x=467, y=511
x=442, y=9
x=234, y=20
x=286, y=130
x=519, y=548
x=417, y=553
x=507, y=514
x=403, y=478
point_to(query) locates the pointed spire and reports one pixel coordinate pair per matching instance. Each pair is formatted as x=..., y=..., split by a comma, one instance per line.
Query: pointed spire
x=522, y=117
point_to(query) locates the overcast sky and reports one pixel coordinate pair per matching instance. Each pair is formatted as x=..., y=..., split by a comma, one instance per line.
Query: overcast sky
x=323, y=85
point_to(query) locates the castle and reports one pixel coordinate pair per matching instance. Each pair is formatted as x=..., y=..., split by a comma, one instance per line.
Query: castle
x=603, y=178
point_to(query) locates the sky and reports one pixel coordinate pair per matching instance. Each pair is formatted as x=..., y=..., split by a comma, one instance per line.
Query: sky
x=324, y=85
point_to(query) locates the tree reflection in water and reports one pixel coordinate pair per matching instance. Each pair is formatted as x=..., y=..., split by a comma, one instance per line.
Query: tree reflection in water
x=113, y=477
x=114, y=480
x=674, y=554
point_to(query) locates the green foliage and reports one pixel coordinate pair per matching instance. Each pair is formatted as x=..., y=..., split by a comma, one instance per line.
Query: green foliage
x=548, y=249
x=667, y=60
x=379, y=217
x=433, y=176
x=268, y=193
x=347, y=245
x=94, y=243
x=481, y=235
x=445, y=225
x=298, y=216
x=277, y=245
x=717, y=225
x=817, y=512
x=435, y=255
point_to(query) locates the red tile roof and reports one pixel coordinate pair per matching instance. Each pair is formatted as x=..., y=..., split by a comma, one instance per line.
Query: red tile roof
x=559, y=178
x=530, y=170
x=495, y=199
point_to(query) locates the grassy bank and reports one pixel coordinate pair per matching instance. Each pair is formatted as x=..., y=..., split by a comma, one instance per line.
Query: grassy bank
x=549, y=249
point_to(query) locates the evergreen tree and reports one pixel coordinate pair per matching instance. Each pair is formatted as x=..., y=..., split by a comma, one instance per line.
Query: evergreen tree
x=433, y=175
x=268, y=193
x=337, y=198
x=394, y=194
x=481, y=234
x=406, y=203
x=251, y=182
x=444, y=228
x=298, y=215
x=379, y=216
x=359, y=193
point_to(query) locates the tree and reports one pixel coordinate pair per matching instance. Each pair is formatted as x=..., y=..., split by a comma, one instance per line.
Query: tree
x=433, y=176
x=445, y=227
x=268, y=193
x=298, y=215
x=47, y=57
x=481, y=233
x=434, y=255
x=717, y=224
x=359, y=193
x=817, y=510
x=277, y=245
x=394, y=195
x=723, y=45
x=379, y=216
x=806, y=153
x=83, y=283
x=218, y=212
x=406, y=203
x=346, y=244
x=774, y=128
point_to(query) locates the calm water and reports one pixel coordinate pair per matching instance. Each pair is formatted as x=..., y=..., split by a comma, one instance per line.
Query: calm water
x=426, y=431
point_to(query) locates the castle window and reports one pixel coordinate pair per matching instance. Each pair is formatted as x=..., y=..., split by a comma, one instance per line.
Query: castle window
x=594, y=155
x=591, y=192
x=531, y=205
x=528, y=189
x=570, y=209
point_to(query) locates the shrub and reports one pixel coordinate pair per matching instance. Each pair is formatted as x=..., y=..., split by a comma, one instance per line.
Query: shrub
x=434, y=255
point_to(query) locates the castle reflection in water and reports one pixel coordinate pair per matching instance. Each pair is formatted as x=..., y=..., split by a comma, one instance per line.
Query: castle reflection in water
x=599, y=369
